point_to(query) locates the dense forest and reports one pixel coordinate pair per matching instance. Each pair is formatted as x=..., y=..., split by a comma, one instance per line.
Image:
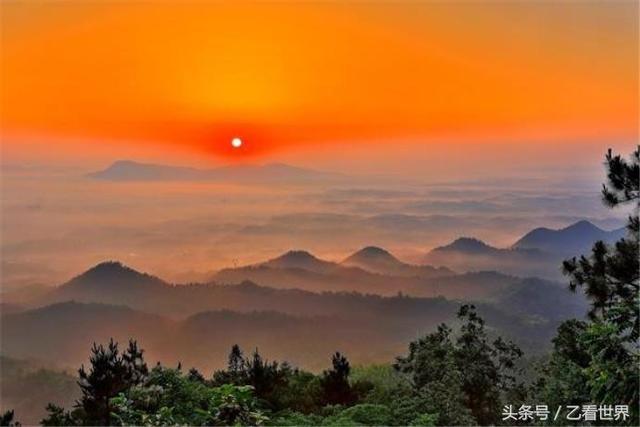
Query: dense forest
x=457, y=375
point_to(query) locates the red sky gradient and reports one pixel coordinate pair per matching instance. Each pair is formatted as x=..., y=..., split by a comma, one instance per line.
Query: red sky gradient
x=172, y=78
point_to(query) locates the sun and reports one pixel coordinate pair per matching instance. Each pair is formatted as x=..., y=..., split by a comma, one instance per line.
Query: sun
x=236, y=142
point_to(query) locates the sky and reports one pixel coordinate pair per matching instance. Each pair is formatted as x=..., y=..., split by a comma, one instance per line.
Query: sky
x=444, y=119
x=359, y=86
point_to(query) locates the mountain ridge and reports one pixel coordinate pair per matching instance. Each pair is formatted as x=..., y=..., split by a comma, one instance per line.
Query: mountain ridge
x=575, y=239
x=130, y=170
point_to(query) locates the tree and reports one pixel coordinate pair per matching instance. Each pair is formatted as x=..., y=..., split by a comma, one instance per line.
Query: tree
x=610, y=275
x=563, y=378
x=235, y=372
x=268, y=379
x=57, y=416
x=168, y=397
x=236, y=361
x=111, y=373
x=463, y=381
x=336, y=389
x=610, y=278
x=8, y=419
x=134, y=363
x=195, y=375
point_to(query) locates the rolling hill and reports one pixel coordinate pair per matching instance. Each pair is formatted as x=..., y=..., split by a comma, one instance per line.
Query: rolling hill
x=378, y=260
x=538, y=253
x=575, y=239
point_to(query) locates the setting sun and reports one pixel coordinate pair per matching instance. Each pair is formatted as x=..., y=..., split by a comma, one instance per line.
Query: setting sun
x=236, y=142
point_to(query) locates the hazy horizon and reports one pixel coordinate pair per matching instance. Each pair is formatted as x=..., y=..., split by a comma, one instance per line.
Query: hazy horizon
x=186, y=230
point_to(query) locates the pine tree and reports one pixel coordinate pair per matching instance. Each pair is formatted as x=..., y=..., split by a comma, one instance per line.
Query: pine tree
x=610, y=275
x=466, y=379
x=236, y=360
x=195, y=375
x=134, y=362
x=610, y=278
x=111, y=373
x=335, y=385
x=107, y=377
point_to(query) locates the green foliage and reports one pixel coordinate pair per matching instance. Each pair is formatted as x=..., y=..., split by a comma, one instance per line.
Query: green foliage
x=612, y=374
x=563, y=378
x=336, y=389
x=425, y=420
x=111, y=373
x=610, y=275
x=57, y=416
x=605, y=356
x=170, y=398
x=277, y=385
x=292, y=418
x=465, y=379
x=379, y=384
x=363, y=414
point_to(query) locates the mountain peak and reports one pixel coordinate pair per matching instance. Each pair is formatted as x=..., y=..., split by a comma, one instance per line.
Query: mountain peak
x=372, y=253
x=112, y=274
x=574, y=239
x=582, y=226
x=111, y=268
x=300, y=259
x=298, y=255
x=467, y=244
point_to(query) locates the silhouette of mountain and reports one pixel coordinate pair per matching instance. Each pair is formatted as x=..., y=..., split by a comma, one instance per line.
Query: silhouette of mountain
x=280, y=289
x=543, y=299
x=538, y=253
x=298, y=259
x=575, y=239
x=302, y=270
x=113, y=278
x=378, y=260
x=127, y=170
x=470, y=254
x=469, y=245
x=65, y=331
x=300, y=326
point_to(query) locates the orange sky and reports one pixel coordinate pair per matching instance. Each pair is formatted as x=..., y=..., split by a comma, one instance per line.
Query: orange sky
x=189, y=77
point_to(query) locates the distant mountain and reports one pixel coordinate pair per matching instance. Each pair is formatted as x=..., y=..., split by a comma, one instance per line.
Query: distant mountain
x=575, y=239
x=372, y=271
x=378, y=260
x=538, y=253
x=544, y=300
x=469, y=245
x=469, y=254
x=368, y=271
x=127, y=170
x=64, y=332
x=112, y=278
x=301, y=327
x=288, y=288
x=298, y=259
